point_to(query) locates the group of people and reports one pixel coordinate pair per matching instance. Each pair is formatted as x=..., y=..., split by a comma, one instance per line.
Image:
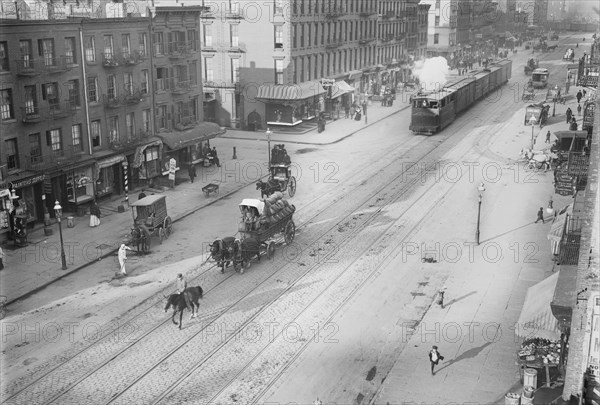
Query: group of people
x=355, y=111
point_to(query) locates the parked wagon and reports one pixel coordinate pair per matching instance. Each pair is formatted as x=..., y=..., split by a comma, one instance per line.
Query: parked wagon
x=539, y=112
x=150, y=219
x=539, y=78
x=210, y=188
x=528, y=94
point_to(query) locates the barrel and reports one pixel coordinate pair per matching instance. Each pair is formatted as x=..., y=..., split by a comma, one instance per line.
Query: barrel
x=512, y=399
x=530, y=378
x=525, y=400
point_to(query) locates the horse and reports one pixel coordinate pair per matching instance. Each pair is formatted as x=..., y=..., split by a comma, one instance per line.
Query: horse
x=140, y=237
x=536, y=159
x=267, y=188
x=177, y=301
x=244, y=251
x=221, y=250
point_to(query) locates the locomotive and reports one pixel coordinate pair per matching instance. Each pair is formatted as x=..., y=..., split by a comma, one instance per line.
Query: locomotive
x=433, y=111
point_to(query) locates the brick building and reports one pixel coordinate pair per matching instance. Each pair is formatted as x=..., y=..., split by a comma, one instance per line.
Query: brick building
x=422, y=24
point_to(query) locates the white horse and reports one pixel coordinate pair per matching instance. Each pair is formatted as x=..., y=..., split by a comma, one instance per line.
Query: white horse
x=536, y=159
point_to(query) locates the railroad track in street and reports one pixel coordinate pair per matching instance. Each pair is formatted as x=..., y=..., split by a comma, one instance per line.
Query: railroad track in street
x=81, y=382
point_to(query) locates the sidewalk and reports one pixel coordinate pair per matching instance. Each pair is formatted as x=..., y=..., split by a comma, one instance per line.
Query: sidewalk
x=31, y=268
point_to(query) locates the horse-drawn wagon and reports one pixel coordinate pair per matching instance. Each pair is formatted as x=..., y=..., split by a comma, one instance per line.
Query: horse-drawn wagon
x=531, y=65
x=555, y=94
x=280, y=174
x=528, y=94
x=539, y=112
x=150, y=218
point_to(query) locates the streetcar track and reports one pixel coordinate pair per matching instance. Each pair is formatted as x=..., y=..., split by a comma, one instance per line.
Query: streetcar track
x=220, y=313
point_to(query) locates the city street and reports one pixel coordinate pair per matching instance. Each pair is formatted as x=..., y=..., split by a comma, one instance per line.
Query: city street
x=346, y=313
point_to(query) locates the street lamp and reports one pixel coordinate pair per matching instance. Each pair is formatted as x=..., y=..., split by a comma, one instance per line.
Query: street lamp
x=532, y=122
x=554, y=99
x=481, y=189
x=269, y=133
x=58, y=212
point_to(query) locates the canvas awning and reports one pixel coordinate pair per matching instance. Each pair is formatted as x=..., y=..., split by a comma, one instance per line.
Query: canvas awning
x=558, y=227
x=536, y=319
x=201, y=132
x=138, y=157
x=251, y=202
x=340, y=88
x=354, y=74
x=290, y=92
x=110, y=161
x=565, y=295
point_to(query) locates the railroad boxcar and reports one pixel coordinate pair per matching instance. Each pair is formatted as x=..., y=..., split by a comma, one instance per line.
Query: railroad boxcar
x=433, y=111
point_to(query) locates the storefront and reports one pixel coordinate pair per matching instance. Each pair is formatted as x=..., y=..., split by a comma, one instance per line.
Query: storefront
x=290, y=105
x=146, y=163
x=558, y=228
x=109, y=176
x=29, y=202
x=186, y=146
x=339, y=95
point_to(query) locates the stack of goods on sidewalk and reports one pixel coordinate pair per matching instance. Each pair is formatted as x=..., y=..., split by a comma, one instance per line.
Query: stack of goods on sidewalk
x=276, y=208
x=538, y=352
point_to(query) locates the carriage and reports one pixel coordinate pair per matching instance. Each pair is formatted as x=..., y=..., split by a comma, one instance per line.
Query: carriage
x=539, y=77
x=528, y=94
x=539, y=111
x=531, y=65
x=569, y=55
x=150, y=218
x=261, y=222
x=280, y=170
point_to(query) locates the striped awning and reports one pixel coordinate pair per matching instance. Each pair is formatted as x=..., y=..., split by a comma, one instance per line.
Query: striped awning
x=290, y=92
x=536, y=318
x=340, y=88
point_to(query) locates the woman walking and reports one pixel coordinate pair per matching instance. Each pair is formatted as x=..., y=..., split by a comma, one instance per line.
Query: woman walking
x=94, y=215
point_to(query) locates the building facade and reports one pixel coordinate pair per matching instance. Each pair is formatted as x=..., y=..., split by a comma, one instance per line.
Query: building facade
x=89, y=103
x=422, y=25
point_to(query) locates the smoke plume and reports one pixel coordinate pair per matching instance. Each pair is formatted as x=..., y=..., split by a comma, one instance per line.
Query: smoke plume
x=432, y=73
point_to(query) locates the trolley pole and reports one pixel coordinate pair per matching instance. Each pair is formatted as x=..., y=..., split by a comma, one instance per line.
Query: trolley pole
x=269, y=144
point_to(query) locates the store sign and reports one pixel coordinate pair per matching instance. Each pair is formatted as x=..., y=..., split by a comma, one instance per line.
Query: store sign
x=29, y=181
x=564, y=184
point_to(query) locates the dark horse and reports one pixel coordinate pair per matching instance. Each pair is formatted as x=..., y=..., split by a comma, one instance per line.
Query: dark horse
x=221, y=250
x=177, y=301
x=244, y=251
x=140, y=237
x=268, y=188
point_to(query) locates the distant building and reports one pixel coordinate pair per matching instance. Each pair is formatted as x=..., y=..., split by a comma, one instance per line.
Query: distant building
x=422, y=26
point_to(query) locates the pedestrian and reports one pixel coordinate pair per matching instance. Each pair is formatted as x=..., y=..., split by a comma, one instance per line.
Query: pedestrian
x=215, y=157
x=584, y=92
x=192, y=172
x=94, y=215
x=548, y=135
x=434, y=358
x=2, y=256
x=142, y=194
x=123, y=257
x=352, y=111
x=346, y=111
x=440, y=297
x=579, y=96
x=569, y=115
x=540, y=216
x=578, y=109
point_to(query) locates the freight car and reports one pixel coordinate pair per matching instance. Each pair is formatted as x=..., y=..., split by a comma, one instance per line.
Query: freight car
x=433, y=111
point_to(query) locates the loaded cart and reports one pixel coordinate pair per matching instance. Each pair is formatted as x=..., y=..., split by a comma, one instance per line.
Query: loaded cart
x=150, y=218
x=267, y=221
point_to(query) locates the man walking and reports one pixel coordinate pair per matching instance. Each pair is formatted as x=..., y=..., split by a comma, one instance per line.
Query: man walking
x=548, y=135
x=123, y=257
x=569, y=115
x=192, y=172
x=578, y=109
x=540, y=216
x=579, y=96
x=434, y=358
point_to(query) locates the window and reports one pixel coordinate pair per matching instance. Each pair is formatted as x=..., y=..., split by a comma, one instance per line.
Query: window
x=294, y=35
x=26, y=56
x=12, y=157
x=279, y=71
x=208, y=35
x=7, y=108
x=73, y=90
x=234, y=7
x=302, y=35
x=128, y=83
x=193, y=70
x=70, y=53
x=158, y=41
x=108, y=48
x=126, y=45
x=278, y=9
x=90, y=49
x=235, y=70
x=145, y=81
x=4, y=66
x=143, y=44
x=279, y=36
x=130, y=125
x=54, y=140
x=437, y=20
x=146, y=114
x=46, y=51
x=31, y=106
x=162, y=79
x=92, y=85
x=193, y=39
x=234, y=31
x=436, y=38
x=76, y=137
x=35, y=148
x=111, y=86
x=96, y=130
x=208, y=69
x=113, y=128
x=161, y=117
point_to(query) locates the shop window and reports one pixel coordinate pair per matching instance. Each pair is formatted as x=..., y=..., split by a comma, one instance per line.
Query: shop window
x=80, y=188
x=151, y=166
x=106, y=181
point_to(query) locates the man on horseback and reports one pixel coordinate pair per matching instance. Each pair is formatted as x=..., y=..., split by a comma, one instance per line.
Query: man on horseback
x=181, y=286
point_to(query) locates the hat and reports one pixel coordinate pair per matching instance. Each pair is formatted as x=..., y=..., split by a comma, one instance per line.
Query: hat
x=180, y=275
x=434, y=347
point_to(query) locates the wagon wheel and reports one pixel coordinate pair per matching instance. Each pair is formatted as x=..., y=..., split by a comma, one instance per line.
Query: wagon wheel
x=161, y=235
x=168, y=226
x=270, y=250
x=289, y=232
x=292, y=186
x=539, y=165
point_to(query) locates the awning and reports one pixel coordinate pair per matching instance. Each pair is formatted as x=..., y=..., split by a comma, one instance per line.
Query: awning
x=340, y=88
x=536, y=319
x=290, y=92
x=110, y=161
x=354, y=74
x=565, y=295
x=139, y=152
x=202, y=132
x=209, y=96
x=558, y=227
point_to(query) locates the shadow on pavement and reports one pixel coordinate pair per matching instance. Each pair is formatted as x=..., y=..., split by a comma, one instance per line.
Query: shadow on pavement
x=469, y=354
